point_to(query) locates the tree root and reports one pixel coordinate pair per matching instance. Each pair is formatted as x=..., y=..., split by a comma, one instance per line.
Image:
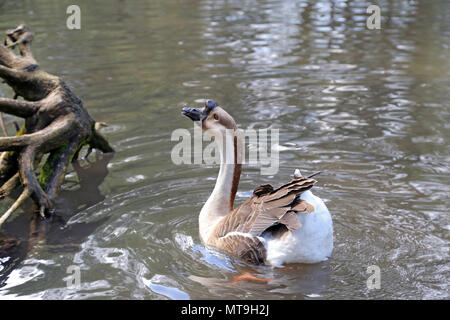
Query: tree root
x=15, y=205
x=55, y=123
x=2, y=123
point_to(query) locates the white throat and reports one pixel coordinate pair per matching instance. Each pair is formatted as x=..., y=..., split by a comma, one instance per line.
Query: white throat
x=220, y=202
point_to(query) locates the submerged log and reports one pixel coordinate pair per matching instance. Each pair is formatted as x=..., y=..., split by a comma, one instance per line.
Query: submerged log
x=56, y=124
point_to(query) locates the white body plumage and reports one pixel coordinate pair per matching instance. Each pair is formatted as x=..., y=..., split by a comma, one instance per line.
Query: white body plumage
x=311, y=243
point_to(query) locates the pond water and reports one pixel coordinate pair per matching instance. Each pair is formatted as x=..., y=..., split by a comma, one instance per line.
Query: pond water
x=369, y=108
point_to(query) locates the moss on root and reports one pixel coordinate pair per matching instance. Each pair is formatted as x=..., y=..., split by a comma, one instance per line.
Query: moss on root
x=49, y=166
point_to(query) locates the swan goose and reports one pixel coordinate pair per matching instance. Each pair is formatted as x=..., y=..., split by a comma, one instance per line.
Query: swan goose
x=274, y=226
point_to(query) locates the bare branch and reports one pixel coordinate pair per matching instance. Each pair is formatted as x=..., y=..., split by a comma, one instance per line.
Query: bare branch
x=7, y=57
x=14, y=143
x=97, y=141
x=15, y=205
x=18, y=108
x=10, y=73
x=22, y=37
x=57, y=164
x=28, y=177
x=46, y=138
x=2, y=123
x=9, y=185
x=58, y=125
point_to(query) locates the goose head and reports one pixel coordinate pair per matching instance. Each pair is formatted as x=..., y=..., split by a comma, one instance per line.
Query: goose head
x=213, y=118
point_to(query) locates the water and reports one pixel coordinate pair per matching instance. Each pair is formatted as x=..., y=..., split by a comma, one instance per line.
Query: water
x=369, y=108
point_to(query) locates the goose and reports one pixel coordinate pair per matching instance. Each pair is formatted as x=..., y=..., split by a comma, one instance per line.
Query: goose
x=274, y=226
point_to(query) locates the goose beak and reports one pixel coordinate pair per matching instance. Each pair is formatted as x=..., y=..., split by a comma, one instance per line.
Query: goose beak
x=192, y=113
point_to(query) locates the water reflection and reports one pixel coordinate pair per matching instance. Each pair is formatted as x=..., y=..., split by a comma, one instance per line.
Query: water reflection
x=54, y=232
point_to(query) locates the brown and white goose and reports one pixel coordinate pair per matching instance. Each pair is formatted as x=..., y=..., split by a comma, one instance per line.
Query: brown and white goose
x=275, y=226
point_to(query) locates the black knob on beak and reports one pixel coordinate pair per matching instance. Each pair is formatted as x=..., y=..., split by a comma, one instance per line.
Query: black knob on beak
x=210, y=104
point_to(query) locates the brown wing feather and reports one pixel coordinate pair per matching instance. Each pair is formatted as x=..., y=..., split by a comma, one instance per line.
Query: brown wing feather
x=268, y=207
x=246, y=248
x=290, y=220
x=303, y=206
x=262, y=190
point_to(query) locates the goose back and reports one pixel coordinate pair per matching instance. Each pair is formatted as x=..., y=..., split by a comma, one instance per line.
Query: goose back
x=268, y=210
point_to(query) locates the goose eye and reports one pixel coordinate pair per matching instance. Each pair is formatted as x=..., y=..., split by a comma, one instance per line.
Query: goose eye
x=216, y=117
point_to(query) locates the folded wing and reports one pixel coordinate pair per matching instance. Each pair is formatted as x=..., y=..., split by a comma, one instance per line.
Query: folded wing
x=266, y=210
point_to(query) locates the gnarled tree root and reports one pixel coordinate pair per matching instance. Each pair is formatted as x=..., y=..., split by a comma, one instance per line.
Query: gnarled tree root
x=56, y=124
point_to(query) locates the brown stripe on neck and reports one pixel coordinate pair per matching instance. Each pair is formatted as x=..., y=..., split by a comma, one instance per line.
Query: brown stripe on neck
x=236, y=175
